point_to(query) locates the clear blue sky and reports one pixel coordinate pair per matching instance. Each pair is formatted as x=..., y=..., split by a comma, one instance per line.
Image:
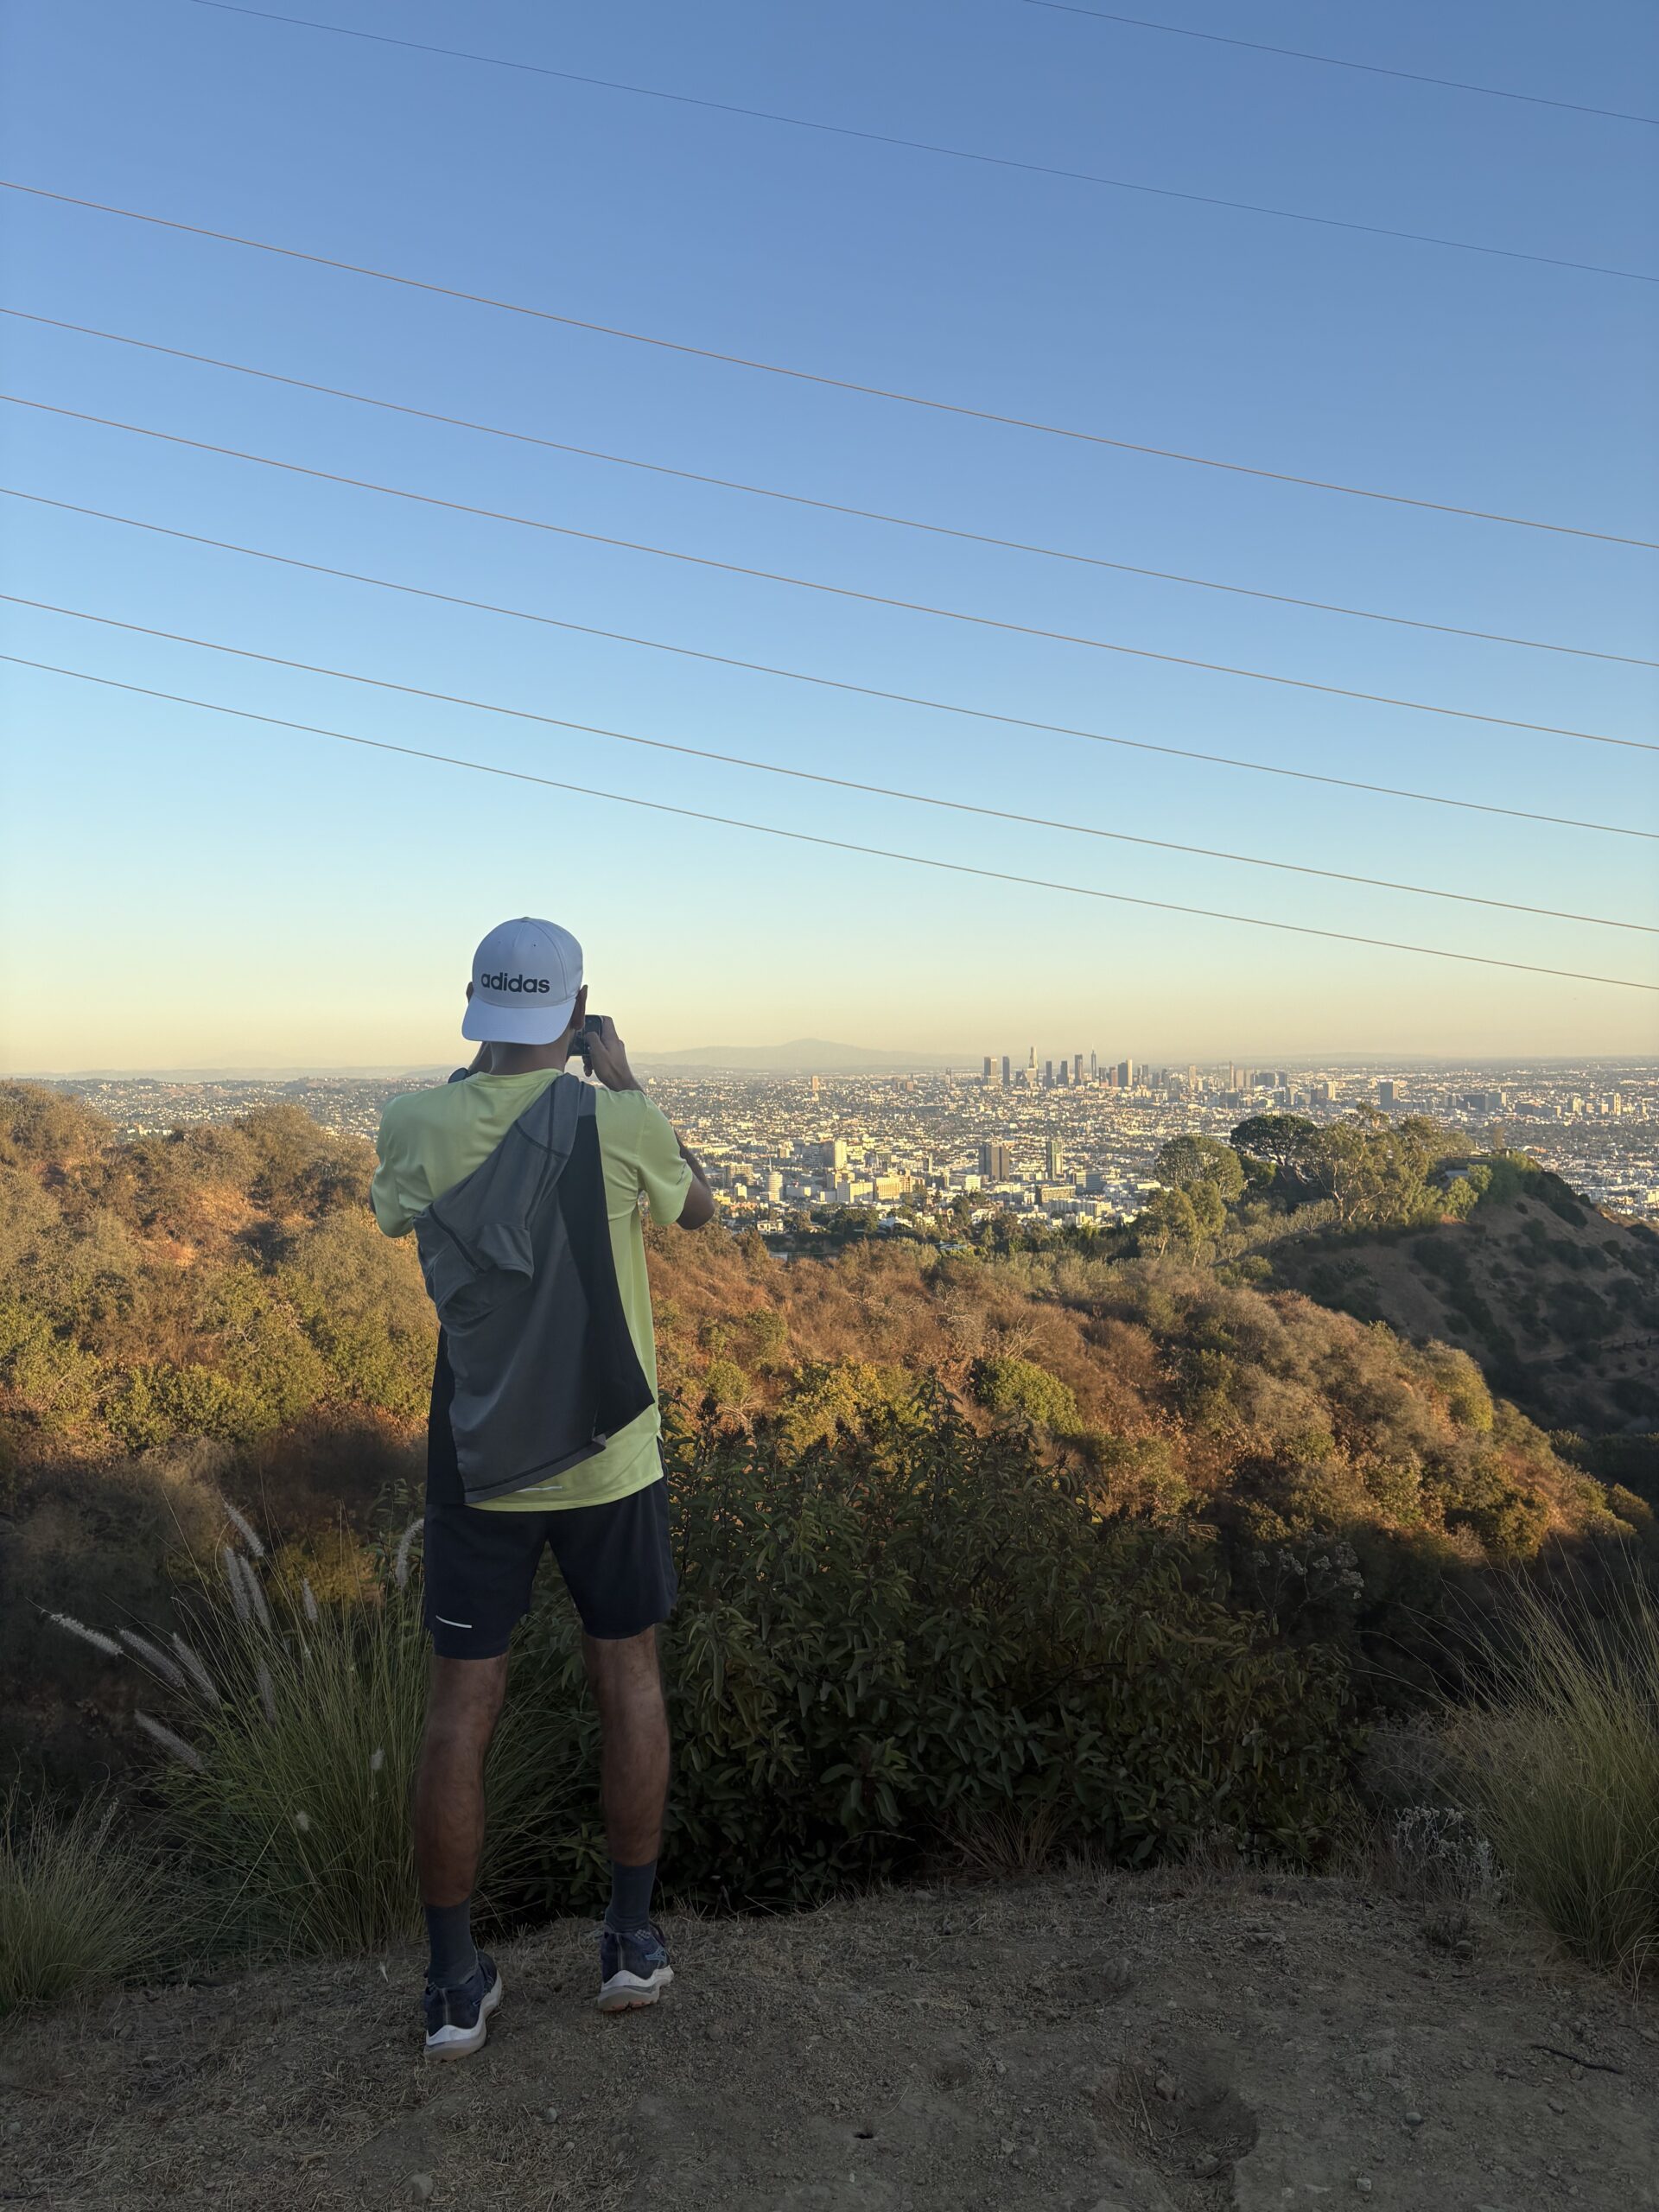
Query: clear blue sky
x=181, y=889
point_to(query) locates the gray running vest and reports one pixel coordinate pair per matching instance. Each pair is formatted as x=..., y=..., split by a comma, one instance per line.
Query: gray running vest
x=517, y=1258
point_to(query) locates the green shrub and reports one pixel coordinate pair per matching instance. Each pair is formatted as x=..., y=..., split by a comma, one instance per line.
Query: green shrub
x=1020, y=1386
x=725, y=1386
x=1558, y=1760
x=82, y=1904
x=833, y=1395
x=887, y=1643
x=1138, y=1476
x=1510, y=1522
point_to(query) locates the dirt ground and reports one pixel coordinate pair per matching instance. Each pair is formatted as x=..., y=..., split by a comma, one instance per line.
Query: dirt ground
x=1164, y=2042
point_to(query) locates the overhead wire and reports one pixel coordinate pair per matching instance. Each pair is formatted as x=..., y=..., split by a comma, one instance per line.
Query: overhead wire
x=839, y=783
x=818, y=377
x=925, y=145
x=827, y=506
x=836, y=844
x=837, y=591
x=1331, y=61
x=829, y=682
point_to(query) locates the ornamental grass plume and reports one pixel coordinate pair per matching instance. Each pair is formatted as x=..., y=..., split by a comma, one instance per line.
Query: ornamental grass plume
x=173, y=1745
x=151, y=1656
x=243, y=1528
x=258, y=1605
x=239, y=1599
x=96, y=1637
x=400, y=1568
x=200, y=1680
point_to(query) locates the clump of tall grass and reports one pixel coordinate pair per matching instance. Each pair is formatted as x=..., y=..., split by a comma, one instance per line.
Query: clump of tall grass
x=1557, y=1757
x=291, y=1733
x=81, y=1903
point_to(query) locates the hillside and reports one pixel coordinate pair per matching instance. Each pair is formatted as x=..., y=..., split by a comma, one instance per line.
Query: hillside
x=1164, y=2042
x=214, y=1314
x=1558, y=1303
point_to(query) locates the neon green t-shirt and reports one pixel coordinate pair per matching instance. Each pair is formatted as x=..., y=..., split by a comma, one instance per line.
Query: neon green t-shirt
x=429, y=1140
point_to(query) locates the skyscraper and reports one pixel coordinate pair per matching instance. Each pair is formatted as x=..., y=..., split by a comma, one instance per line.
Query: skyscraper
x=1048, y=1075
x=1126, y=1075
x=1051, y=1159
x=1076, y=1068
x=996, y=1161
x=1007, y=1071
x=987, y=1067
x=1094, y=1067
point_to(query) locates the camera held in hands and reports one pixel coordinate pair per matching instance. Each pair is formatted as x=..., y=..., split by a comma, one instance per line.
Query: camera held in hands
x=582, y=1040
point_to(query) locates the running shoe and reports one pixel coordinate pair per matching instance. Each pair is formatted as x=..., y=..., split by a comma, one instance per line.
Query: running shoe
x=457, y=2020
x=634, y=1969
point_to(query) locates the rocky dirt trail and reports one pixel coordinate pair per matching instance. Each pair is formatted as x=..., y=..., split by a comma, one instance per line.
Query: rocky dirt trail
x=1155, y=2044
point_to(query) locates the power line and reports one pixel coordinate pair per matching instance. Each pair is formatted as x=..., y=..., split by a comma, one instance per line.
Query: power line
x=1328, y=61
x=816, y=376
x=841, y=783
x=827, y=506
x=836, y=591
x=830, y=682
x=925, y=145
x=809, y=837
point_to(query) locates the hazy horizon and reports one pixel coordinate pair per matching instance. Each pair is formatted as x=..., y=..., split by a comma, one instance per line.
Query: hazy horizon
x=895, y=1059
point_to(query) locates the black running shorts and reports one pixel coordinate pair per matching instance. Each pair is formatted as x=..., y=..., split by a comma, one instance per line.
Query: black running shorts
x=481, y=1562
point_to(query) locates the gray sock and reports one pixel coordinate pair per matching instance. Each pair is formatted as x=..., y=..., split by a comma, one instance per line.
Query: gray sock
x=630, y=1907
x=454, y=1955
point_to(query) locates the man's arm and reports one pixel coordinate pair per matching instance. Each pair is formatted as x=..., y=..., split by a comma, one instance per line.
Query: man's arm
x=607, y=1058
x=699, y=1205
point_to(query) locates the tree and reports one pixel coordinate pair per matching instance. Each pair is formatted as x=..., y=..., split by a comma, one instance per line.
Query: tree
x=1288, y=1146
x=1168, y=1217
x=1376, y=1170
x=1186, y=1160
x=1208, y=1204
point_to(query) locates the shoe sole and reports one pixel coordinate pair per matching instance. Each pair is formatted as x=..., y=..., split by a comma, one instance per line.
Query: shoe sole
x=629, y=1993
x=475, y=2038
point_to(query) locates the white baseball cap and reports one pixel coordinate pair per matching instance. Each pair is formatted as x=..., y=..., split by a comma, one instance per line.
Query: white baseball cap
x=525, y=977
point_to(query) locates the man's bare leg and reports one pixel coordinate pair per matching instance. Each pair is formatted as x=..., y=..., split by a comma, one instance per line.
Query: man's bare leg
x=627, y=1687
x=463, y=1705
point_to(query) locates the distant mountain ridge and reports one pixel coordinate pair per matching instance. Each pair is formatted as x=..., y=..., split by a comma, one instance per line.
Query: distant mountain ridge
x=802, y=1056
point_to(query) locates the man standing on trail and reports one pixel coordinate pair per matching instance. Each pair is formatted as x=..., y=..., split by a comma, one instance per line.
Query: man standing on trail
x=522, y=1184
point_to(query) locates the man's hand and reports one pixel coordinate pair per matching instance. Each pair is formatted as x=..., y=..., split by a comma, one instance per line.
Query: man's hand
x=604, y=1054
